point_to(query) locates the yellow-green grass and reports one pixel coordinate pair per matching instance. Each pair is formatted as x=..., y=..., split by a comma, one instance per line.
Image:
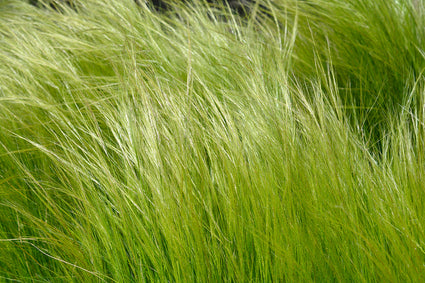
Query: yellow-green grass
x=199, y=146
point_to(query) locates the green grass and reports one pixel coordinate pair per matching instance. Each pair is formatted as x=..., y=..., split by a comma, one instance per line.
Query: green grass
x=199, y=146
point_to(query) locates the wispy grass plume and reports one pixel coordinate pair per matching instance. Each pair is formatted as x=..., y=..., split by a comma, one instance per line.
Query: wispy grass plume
x=286, y=145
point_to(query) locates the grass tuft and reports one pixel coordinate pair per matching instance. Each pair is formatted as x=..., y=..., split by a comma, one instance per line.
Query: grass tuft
x=199, y=145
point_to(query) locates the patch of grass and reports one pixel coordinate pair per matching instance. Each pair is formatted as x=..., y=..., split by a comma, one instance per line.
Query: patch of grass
x=200, y=146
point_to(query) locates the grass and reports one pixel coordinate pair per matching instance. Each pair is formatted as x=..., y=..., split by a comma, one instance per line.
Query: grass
x=200, y=146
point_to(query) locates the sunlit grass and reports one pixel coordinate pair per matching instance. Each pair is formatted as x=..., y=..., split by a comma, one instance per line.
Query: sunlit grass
x=201, y=146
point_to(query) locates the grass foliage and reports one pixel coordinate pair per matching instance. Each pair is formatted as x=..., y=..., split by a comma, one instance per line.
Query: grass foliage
x=200, y=146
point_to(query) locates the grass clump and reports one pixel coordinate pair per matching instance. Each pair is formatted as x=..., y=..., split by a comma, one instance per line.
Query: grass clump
x=201, y=146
